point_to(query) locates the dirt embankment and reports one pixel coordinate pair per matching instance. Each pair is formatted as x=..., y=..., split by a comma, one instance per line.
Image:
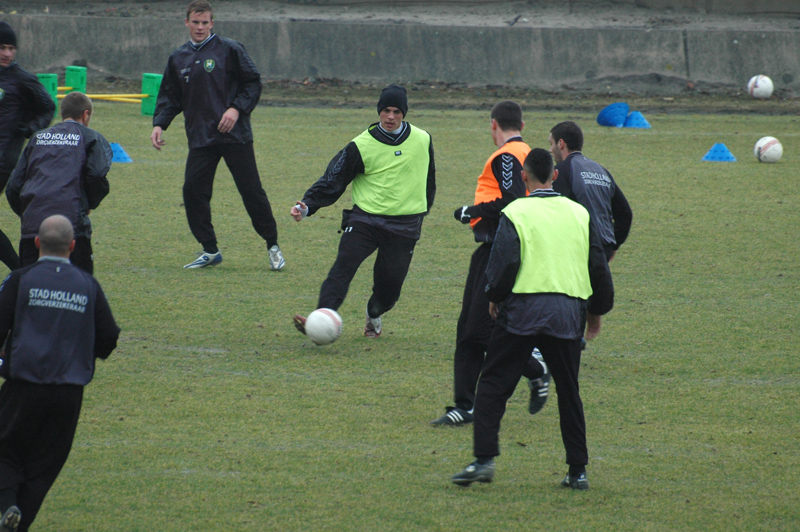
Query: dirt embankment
x=654, y=93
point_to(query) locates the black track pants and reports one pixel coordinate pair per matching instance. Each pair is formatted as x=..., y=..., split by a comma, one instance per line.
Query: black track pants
x=82, y=256
x=473, y=330
x=359, y=241
x=37, y=427
x=506, y=360
x=198, y=186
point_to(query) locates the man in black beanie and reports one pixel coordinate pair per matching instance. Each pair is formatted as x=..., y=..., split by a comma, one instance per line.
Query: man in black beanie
x=7, y=35
x=393, y=96
x=25, y=107
x=393, y=174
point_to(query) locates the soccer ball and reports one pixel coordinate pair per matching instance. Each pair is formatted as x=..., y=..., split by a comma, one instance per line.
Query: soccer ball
x=760, y=87
x=768, y=150
x=324, y=326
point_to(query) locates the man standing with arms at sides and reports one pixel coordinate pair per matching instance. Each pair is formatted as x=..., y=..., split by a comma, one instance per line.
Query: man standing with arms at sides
x=585, y=181
x=392, y=170
x=62, y=171
x=546, y=262
x=215, y=84
x=25, y=107
x=499, y=184
x=56, y=322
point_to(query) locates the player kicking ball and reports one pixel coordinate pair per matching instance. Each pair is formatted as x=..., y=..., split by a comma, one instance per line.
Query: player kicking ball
x=391, y=168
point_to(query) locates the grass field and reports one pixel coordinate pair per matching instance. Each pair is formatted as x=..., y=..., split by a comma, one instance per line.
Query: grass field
x=215, y=414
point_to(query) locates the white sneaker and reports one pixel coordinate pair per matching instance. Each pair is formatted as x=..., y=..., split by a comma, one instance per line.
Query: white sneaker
x=205, y=259
x=276, y=262
x=372, y=328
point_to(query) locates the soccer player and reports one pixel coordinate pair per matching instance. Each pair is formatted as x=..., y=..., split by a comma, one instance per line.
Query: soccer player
x=585, y=181
x=499, y=184
x=62, y=171
x=25, y=107
x=215, y=84
x=392, y=170
x=56, y=322
x=546, y=262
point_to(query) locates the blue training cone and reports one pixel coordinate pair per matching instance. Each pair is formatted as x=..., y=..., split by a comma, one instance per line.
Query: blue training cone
x=719, y=153
x=119, y=155
x=613, y=115
x=637, y=120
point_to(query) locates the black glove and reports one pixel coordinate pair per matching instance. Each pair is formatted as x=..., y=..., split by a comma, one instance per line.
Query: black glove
x=462, y=215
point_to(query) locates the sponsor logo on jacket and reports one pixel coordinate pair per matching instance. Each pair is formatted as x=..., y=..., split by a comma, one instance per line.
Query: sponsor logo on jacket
x=47, y=138
x=42, y=297
x=596, y=179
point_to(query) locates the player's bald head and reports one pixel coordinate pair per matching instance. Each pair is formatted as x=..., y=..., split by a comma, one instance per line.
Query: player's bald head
x=55, y=235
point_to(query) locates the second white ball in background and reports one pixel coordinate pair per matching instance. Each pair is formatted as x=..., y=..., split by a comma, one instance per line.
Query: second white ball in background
x=760, y=87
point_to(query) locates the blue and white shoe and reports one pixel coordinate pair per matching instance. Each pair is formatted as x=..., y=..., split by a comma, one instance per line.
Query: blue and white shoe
x=205, y=259
x=576, y=482
x=276, y=262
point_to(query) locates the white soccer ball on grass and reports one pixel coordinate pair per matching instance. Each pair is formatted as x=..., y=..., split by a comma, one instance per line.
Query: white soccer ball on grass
x=760, y=87
x=768, y=150
x=324, y=326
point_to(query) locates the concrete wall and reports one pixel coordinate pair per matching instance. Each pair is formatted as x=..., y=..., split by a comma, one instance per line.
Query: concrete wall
x=703, y=6
x=545, y=58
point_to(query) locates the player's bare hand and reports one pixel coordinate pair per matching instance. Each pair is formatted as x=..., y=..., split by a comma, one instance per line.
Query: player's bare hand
x=492, y=310
x=155, y=138
x=299, y=211
x=592, y=326
x=229, y=120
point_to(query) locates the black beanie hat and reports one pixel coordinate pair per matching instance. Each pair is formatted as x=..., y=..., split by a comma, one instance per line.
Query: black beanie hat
x=393, y=96
x=7, y=35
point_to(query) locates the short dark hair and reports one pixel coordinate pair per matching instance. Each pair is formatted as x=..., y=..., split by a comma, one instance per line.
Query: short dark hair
x=74, y=105
x=508, y=115
x=570, y=133
x=539, y=164
x=199, y=6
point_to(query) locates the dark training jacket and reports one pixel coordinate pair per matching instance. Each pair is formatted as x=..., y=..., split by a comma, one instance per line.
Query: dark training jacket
x=62, y=171
x=585, y=181
x=57, y=321
x=203, y=81
x=25, y=107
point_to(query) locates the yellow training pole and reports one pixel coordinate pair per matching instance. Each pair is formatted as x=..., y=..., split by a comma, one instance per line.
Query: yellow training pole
x=118, y=95
x=125, y=100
